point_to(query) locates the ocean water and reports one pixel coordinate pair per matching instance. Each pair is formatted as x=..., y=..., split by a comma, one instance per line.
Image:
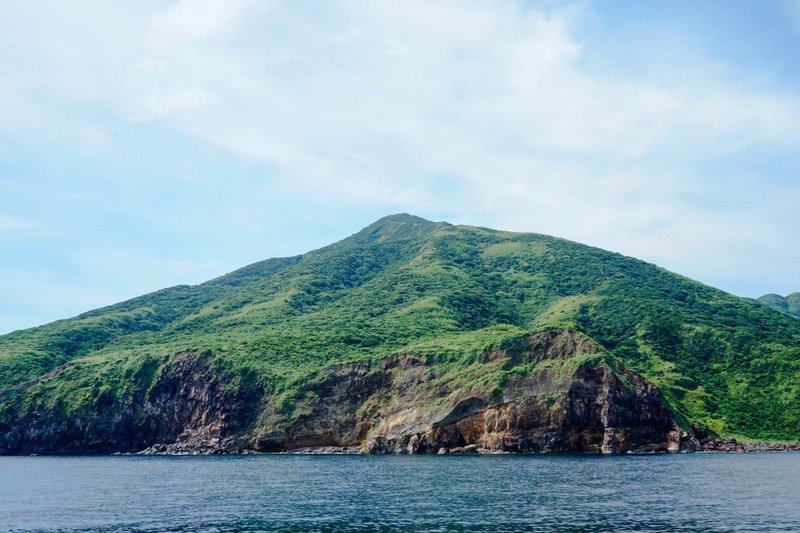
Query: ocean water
x=696, y=492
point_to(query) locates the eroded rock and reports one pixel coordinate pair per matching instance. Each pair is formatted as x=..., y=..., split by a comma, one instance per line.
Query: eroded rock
x=400, y=405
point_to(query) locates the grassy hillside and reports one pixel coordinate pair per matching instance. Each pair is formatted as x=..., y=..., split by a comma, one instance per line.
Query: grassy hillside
x=407, y=285
x=789, y=304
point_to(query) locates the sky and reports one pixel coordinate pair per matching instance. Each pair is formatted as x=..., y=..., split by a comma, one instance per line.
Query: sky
x=147, y=144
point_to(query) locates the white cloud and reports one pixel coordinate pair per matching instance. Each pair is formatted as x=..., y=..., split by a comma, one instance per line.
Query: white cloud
x=370, y=102
x=422, y=79
x=199, y=19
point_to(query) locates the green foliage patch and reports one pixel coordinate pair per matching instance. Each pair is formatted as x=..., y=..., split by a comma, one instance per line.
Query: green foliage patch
x=407, y=285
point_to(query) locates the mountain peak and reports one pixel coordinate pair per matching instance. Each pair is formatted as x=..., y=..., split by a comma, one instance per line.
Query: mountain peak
x=394, y=227
x=402, y=218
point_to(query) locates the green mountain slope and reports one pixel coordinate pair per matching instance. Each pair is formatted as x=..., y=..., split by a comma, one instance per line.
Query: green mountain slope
x=406, y=285
x=789, y=304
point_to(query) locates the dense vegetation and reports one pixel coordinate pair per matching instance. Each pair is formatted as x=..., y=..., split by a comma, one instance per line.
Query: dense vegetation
x=405, y=284
x=789, y=304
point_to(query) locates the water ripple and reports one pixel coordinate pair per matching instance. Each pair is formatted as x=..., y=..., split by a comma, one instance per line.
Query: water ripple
x=675, y=493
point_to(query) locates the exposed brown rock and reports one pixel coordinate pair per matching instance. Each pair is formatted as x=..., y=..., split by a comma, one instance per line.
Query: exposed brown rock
x=713, y=444
x=188, y=410
x=585, y=408
x=399, y=405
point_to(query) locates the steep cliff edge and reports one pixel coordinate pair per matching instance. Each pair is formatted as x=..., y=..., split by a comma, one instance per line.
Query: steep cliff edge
x=552, y=391
x=184, y=401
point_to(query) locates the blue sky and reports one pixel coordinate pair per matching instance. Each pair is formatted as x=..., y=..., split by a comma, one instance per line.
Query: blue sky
x=149, y=144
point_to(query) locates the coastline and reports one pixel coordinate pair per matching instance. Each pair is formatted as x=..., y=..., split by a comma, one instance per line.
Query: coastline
x=712, y=445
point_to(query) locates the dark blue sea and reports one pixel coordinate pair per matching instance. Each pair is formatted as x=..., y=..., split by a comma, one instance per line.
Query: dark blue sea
x=699, y=492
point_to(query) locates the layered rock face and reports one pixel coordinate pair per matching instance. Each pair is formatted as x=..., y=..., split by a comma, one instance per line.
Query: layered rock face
x=558, y=407
x=554, y=392
x=186, y=403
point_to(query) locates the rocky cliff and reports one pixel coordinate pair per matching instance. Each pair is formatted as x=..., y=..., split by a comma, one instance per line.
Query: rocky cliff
x=186, y=403
x=553, y=391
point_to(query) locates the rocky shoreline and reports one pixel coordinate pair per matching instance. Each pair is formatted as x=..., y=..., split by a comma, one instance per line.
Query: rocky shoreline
x=715, y=445
x=709, y=445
